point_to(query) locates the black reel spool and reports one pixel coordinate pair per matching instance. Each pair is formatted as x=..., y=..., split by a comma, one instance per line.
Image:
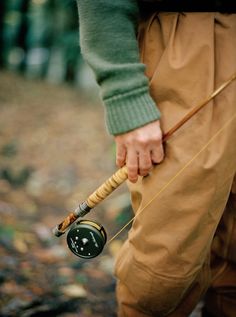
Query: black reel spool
x=86, y=239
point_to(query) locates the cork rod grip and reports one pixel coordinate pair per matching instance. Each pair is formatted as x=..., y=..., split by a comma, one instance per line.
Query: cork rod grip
x=107, y=187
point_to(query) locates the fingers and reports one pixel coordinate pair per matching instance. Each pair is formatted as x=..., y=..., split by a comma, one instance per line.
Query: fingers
x=141, y=162
x=157, y=154
x=140, y=149
x=145, y=162
x=132, y=165
x=120, y=155
x=129, y=158
x=148, y=158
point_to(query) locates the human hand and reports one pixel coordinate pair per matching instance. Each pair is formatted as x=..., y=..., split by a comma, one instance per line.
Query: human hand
x=139, y=149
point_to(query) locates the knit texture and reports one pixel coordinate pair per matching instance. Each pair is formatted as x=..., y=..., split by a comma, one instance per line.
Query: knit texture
x=129, y=111
x=109, y=45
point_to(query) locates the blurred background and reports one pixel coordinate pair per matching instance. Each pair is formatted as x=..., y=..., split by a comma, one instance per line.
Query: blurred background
x=54, y=151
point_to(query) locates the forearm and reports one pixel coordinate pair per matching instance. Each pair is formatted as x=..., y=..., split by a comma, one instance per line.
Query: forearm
x=109, y=45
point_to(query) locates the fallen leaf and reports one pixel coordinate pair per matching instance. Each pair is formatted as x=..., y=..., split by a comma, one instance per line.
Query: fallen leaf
x=74, y=290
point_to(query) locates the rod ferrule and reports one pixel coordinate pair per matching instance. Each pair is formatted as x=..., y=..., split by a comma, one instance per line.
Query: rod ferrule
x=82, y=210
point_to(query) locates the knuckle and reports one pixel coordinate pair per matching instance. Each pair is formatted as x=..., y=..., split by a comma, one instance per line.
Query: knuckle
x=158, y=140
x=120, y=161
x=158, y=135
x=133, y=176
x=145, y=169
x=140, y=139
x=119, y=158
x=146, y=166
x=143, y=141
x=157, y=155
x=143, y=172
x=132, y=172
x=160, y=158
x=132, y=169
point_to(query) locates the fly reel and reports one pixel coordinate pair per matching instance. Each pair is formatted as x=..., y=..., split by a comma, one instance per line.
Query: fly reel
x=86, y=239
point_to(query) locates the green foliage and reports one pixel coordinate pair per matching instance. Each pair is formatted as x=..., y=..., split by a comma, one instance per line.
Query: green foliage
x=9, y=149
x=35, y=32
x=16, y=179
x=7, y=233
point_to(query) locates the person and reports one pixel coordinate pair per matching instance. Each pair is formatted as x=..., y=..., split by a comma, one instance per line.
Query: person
x=153, y=61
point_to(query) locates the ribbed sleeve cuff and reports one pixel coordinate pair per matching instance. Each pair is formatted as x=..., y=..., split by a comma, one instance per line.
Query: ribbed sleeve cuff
x=130, y=110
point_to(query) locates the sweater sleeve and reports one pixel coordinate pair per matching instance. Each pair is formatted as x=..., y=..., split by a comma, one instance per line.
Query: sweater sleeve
x=109, y=45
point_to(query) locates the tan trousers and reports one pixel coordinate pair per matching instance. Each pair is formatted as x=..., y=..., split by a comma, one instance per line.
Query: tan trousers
x=163, y=268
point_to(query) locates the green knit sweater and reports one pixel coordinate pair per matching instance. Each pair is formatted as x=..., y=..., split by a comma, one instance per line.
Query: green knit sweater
x=109, y=45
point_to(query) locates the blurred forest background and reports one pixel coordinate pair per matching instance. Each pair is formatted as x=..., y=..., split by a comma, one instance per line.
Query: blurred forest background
x=54, y=151
x=40, y=38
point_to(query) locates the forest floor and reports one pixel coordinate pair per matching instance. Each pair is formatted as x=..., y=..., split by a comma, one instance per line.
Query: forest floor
x=54, y=152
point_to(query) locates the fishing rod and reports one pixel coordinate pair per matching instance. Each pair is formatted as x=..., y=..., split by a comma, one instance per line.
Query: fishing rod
x=86, y=238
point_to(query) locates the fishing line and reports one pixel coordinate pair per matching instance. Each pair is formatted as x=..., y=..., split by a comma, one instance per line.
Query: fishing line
x=173, y=178
x=87, y=238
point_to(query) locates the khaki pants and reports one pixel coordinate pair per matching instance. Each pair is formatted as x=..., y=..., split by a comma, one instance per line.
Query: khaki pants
x=163, y=268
